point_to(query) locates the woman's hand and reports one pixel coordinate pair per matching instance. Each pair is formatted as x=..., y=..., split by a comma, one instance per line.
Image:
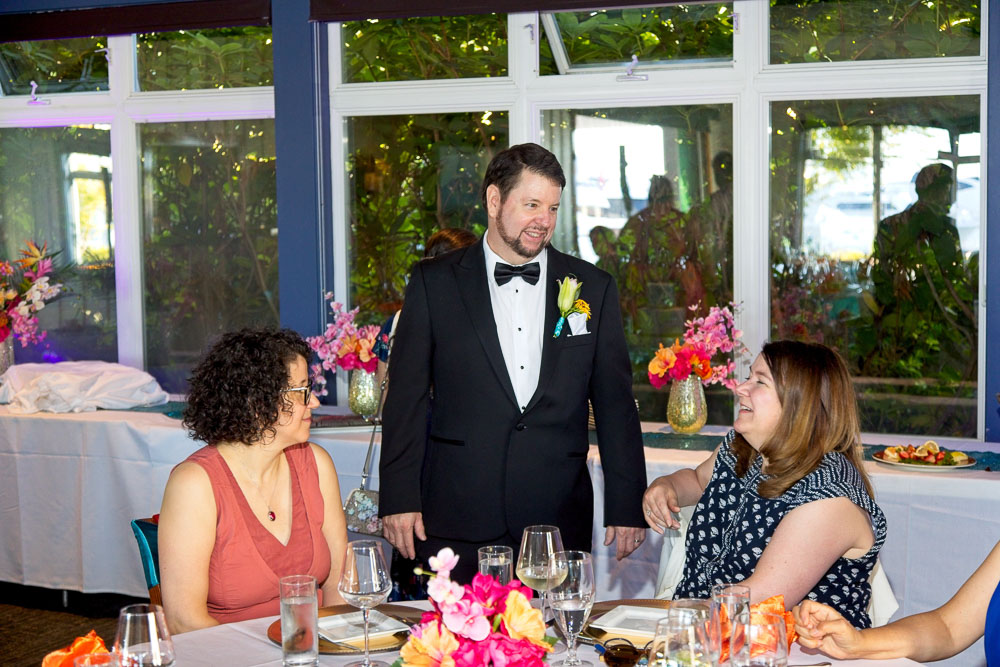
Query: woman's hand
x=659, y=503
x=822, y=627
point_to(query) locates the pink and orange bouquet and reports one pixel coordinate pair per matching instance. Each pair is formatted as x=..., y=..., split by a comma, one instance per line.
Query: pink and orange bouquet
x=24, y=289
x=704, y=338
x=482, y=624
x=343, y=344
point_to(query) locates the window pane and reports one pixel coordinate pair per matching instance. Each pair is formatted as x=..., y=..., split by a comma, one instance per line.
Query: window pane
x=875, y=226
x=655, y=35
x=809, y=31
x=651, y=203
x=435, y=47
x=57, y=66
x=210, y=237
x=191, y=59
x=55, y=188
x=408, y=177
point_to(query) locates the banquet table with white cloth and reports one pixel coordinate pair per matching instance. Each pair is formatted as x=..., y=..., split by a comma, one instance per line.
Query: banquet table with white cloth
x=70, y=484
x=246, y=644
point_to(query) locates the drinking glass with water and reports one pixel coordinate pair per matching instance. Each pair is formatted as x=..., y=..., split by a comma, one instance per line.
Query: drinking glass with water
x=497, y=561
x=299, y=620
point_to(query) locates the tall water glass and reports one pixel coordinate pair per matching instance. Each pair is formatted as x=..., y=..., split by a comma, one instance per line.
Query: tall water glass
x=733, y=604
x=365, y=583
x=497, y=561
x=681, y=639
x=299, y=620
x=142, y=638
x=768, y=641
x=572, y=598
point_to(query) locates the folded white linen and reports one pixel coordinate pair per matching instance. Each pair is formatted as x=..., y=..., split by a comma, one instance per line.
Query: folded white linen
x=78, y=386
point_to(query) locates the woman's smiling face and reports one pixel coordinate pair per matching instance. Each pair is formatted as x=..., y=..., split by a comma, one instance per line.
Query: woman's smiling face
x=760, y=409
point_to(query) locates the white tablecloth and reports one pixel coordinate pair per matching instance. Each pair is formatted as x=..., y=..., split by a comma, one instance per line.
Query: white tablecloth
x=70, y=484
x=246, y=644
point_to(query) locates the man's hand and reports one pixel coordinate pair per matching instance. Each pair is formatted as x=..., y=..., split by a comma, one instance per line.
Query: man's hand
x=399, y=529
x=629, y=538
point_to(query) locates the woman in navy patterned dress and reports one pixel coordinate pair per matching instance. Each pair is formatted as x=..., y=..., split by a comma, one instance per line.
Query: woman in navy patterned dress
x=783, y=504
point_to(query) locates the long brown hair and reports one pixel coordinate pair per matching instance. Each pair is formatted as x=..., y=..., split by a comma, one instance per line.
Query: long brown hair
x=819, y=414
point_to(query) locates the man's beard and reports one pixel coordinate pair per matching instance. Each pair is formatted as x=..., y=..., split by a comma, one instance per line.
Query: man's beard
x=514, y=242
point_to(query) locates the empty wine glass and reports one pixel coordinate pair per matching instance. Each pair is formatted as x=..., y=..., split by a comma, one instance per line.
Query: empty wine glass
x=706, y=612
x=142, y=638
x=364, y=584
x=572, y=598
x=768, y=641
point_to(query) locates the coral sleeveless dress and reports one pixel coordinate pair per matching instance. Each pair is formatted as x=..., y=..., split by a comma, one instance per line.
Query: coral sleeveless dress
x=247, y=561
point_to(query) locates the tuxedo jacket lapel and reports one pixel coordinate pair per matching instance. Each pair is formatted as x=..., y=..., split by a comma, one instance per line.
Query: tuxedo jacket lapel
x=470, y=275
x=557, y=270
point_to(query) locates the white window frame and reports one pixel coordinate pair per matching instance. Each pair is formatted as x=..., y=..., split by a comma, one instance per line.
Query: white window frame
x=125, y=109
x=749, y=83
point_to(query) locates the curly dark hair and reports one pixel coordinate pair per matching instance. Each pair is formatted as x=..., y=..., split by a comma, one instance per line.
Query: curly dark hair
x=235, y=390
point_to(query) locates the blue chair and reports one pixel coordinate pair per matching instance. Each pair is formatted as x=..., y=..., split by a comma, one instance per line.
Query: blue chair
x=146, y=531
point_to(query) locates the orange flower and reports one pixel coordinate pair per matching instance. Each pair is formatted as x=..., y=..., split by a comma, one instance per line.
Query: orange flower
x=663, y=360
x=433, y=648
x=32, y=255
x=524, y=621
x=90, y=643
x=701, y=366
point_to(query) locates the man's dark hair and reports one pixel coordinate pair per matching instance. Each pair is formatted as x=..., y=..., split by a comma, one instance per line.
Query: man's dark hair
x=505, y=168
x=235, y=391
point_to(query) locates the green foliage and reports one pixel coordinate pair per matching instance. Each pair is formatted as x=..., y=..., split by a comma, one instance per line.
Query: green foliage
x=652, y=34
x=807, y=31
x=210, y=246
x=193, y=59
x=414, y=49
x=409, y=177
x=57, y=66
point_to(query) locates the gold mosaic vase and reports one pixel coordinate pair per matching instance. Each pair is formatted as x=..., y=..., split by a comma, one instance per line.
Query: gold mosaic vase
x=362, y=394
x=7, y=352
x=687, y=411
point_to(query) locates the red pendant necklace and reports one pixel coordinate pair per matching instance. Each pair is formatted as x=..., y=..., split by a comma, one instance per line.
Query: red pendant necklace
x=271, y=516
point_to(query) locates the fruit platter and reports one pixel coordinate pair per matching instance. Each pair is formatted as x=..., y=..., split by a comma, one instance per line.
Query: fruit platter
x=928, y=455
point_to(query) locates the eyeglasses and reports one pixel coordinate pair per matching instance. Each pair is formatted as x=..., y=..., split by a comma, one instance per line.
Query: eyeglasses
x=305, y=392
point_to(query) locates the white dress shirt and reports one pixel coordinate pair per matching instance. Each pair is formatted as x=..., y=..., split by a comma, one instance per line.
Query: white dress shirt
x=519, y=313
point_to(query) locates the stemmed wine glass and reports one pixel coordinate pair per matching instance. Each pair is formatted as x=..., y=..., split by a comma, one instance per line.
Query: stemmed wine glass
x=572, y=598
x=365, y=584
x=538, y=543
x=142, y=638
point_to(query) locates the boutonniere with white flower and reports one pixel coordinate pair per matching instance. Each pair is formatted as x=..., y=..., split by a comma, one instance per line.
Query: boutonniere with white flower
x=569, y=303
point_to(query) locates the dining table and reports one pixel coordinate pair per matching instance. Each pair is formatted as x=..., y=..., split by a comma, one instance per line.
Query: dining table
x=246, y=644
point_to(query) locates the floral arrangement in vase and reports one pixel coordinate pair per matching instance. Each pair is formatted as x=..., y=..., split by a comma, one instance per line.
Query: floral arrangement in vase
x=481, y=624
x=24, y=289
x=343, y=345
x=704, y=338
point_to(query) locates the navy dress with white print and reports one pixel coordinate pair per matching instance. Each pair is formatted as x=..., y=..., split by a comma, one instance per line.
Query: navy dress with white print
x=732, y=525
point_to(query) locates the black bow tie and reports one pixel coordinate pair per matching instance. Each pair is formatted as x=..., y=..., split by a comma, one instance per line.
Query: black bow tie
x=502, y=273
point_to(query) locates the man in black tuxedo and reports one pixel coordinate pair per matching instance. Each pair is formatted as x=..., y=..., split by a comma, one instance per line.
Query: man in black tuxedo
x=507, y=444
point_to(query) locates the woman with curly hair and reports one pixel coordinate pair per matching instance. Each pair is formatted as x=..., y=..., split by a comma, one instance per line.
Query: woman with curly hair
x=259, y=501
x=783, y=504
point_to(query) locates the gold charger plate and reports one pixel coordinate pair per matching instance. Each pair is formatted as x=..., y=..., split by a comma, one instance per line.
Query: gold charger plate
x=592, y=635
x=402, y=613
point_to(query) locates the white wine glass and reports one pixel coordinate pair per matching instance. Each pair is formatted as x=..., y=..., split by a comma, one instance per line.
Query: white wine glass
x=703, y=611
x=681, y=638
x=365, y=583
x=538, y=543
x=572, y=598
x=142, y=638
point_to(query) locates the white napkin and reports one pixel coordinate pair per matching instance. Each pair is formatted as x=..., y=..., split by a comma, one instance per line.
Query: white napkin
x=78, y=386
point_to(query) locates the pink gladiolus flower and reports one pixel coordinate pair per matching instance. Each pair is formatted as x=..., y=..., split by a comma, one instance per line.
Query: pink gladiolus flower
x=466, y=618
x=444, y=592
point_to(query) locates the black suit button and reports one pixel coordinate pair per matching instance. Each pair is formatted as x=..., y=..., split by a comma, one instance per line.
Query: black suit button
x=520, y=427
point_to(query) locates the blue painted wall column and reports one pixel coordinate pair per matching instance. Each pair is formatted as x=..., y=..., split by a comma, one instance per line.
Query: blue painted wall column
x=991, y=328
x=300, y=90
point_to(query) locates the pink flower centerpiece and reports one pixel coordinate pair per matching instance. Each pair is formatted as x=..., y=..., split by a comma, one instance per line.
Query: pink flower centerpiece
x=343, y=344
x=24, y=289
x=703, y=339
x=482, y=624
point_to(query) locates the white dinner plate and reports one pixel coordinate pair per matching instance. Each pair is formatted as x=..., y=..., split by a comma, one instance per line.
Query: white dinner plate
x=350, y=628
x=630, y=620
